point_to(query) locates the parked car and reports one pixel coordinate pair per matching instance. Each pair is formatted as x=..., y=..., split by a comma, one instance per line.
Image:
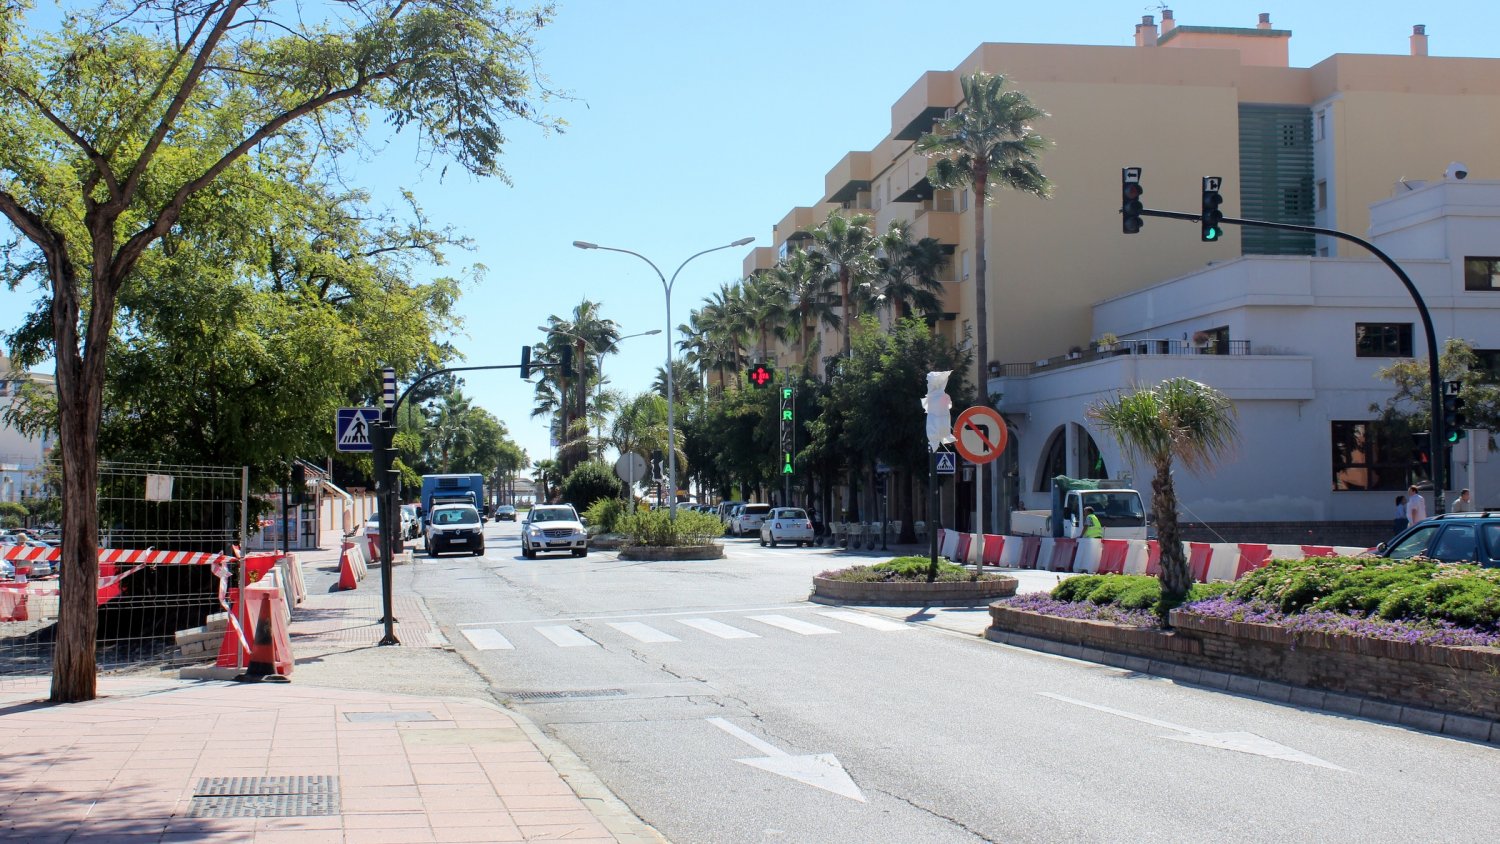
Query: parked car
x=411, y=522
x=1449, y=538
x=748, y=517
x=726, y=509
x=553, y=527
x=454, y=527
x=786, y=524
x=505, y=513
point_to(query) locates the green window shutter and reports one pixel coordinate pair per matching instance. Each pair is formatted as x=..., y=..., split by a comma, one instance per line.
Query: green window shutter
x=1276, y=177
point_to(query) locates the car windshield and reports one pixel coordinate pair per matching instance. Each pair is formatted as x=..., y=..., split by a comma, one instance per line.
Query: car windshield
x=756, y=509
x=455, y=516
x=506, y=508
x=789, y=513
x=1116, y=509
x=553, y=514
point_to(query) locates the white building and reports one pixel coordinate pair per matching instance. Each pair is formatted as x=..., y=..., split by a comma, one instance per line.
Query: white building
x=21, y=457
x=1296, y=343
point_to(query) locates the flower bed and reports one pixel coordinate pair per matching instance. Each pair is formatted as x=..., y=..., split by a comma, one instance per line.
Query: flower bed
x=903, y=582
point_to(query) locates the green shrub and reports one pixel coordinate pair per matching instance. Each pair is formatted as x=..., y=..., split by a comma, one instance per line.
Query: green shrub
x=657, y=528
x=14, y=510
x=605, y=514
x=915, y=568
x=1128, y=591
x=1415, y=589
x=591, y=481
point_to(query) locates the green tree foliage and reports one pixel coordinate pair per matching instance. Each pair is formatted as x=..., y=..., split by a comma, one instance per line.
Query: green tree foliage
x=1410, y=406
x=591, y=481
x=1177, y=421
x=13, y=514
x=131, y=124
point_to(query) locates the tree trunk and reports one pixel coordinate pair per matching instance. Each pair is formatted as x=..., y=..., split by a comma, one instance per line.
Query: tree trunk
x=906, y=508
x=1176, y=578
x=844, y=303
x=981, y=295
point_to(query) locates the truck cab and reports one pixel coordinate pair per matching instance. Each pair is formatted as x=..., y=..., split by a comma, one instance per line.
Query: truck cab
x=1119, y=508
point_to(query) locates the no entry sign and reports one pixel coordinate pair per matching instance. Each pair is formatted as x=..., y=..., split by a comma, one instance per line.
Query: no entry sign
x=980, y=434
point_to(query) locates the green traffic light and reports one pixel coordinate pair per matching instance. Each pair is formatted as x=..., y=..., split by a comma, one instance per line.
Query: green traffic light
x=1456, y=436
x=1211, y=234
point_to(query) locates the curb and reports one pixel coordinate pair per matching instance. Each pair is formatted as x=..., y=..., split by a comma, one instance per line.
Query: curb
x=1427, y=720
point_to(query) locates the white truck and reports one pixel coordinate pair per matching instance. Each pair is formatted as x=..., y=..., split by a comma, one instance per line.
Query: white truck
x=1118, y=507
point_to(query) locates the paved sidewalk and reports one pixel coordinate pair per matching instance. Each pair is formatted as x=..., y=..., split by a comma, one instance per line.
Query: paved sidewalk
x=359, y=747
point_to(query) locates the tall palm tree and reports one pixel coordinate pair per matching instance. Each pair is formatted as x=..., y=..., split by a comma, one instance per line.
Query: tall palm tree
x=766, y=307
x=688, y=383
x=908, y=272
x=588, y=329
x=848, y=245
x=987, y=145
x=1178, y=419
x=452, y=430
x=545, y=473
x=640, y=427
x=807, y=286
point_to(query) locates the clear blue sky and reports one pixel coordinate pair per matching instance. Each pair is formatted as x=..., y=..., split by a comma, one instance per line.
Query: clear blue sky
x=697, y=123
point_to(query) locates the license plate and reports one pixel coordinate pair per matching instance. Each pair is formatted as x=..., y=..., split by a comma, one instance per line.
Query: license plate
x=459, y=540
x=562, y=544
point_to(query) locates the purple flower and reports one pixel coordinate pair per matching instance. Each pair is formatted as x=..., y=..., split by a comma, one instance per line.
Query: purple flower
x=1346, y=624
x=1045, y=604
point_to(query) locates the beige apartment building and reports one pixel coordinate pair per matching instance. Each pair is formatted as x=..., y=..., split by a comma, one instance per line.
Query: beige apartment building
x=1312, y=146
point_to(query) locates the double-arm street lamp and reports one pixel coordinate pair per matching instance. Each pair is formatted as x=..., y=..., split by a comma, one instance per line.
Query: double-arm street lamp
x=666, y=286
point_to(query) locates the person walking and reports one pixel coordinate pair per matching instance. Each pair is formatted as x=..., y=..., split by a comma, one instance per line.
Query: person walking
x=1399, y=523
x=1092, y=528
x=1416, y=506
x=1464, y=503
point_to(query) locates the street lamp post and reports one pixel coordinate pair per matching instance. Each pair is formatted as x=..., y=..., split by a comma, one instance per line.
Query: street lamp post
x=666, y=286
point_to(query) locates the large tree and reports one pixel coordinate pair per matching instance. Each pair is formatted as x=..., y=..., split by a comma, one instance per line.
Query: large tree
x=907, y=271
x=988, y=145
x=589, y=334
x=848, y=246
x=1181, y=421
x=126, y=117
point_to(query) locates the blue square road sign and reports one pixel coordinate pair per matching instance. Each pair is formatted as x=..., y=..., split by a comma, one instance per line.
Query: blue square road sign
x=354, y=429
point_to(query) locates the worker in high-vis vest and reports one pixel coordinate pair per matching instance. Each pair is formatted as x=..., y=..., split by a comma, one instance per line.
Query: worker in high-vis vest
x=1092, y=528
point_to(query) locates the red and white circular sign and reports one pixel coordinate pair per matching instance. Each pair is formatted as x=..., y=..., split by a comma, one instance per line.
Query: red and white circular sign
x=981, y=434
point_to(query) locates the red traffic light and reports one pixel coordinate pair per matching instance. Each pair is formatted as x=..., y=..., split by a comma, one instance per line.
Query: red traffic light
x=760, y=375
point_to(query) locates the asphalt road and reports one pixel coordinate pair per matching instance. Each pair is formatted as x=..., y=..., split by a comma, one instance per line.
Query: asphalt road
x=721, y=706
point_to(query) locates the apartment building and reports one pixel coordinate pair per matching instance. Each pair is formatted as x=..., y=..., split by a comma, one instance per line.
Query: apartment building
x=1305, y=145
x=21, y=456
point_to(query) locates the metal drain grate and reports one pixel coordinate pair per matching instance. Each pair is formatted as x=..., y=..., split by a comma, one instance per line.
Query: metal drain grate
x=389, y=716
x=265, y=797
x=567, y=694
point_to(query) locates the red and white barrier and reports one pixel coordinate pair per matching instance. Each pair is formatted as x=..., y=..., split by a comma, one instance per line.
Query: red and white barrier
x=266, y=645
x=353, y=565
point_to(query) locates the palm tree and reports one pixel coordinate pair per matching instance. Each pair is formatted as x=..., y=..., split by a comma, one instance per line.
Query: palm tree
x=593, y=333
x=766, y=307
x=452, y=430
x=1178, y=419
x=987, y=144
x=848, y=245
x=687, y=382
x=640, y=427
x=807, y=286
x=908, y=272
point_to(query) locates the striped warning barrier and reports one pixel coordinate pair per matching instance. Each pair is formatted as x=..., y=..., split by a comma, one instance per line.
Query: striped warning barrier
x=353, y=566
x=960, y=547
x=947, y=543
x=1251, y=557
x=994, y=545
x=1062, y=551
x=1010, y=551
x=1031, y=548
x=1112, y=555
x=1087, y=558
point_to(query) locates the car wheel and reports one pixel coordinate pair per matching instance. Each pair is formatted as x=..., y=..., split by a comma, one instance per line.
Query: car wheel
x=528, y=553
x=773, y=540
x=479, y=552
x=580, y=553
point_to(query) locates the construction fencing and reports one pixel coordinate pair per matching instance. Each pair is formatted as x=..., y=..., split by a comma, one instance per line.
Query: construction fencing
x=168, y=562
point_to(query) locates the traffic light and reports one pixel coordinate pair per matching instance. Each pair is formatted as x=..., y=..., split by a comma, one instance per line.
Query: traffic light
x=1213, y=218
x=566, y=355
x=1454, y=420
x=760, y=375
x=299, y=482
x=525, y=362
x=1130, y=200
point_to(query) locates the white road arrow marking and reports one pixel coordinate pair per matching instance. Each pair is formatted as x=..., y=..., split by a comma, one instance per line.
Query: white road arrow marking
x=819, y=770
x=1236, y=740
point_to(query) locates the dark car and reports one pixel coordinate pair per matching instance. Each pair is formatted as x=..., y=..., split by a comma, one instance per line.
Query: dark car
x=505, y=513
x=1449, y=538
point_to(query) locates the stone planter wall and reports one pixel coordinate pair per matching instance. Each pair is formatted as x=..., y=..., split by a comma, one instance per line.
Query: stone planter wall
x=1391, y=681
x=962, y=593
x=680, y=552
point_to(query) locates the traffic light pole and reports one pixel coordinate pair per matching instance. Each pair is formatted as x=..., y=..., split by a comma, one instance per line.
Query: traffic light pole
x=1436, y=433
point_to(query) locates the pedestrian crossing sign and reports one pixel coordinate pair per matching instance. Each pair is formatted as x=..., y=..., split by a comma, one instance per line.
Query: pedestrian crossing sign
x=354, y=428
x=945, y=463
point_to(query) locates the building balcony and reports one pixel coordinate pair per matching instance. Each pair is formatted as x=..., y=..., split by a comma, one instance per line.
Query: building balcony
x=1142, y=347
x=928, y=100
x=944, y=226
x=849, y=178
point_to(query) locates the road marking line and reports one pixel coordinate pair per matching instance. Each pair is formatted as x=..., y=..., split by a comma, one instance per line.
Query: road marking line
x=643, y=632
x=671, y=614
x=866, y=620
x=488, y=640
x=716, y=628
x=566, y=637
x=748, y=738
x=792, y=624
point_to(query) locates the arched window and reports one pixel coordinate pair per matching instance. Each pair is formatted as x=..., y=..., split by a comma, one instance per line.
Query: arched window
x=1054, y=460
x=1093, y=462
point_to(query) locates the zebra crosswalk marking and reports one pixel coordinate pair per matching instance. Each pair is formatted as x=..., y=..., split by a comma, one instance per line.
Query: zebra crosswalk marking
x=795, y=625
x=566, y=637
x=485, y=639
x=715, y=628
x=643, y=632
x=865, y=620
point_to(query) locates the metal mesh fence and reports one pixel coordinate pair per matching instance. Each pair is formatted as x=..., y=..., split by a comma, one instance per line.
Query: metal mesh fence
x=162, y=531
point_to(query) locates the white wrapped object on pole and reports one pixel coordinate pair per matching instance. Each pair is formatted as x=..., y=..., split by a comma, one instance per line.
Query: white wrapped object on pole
x=939, y=408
